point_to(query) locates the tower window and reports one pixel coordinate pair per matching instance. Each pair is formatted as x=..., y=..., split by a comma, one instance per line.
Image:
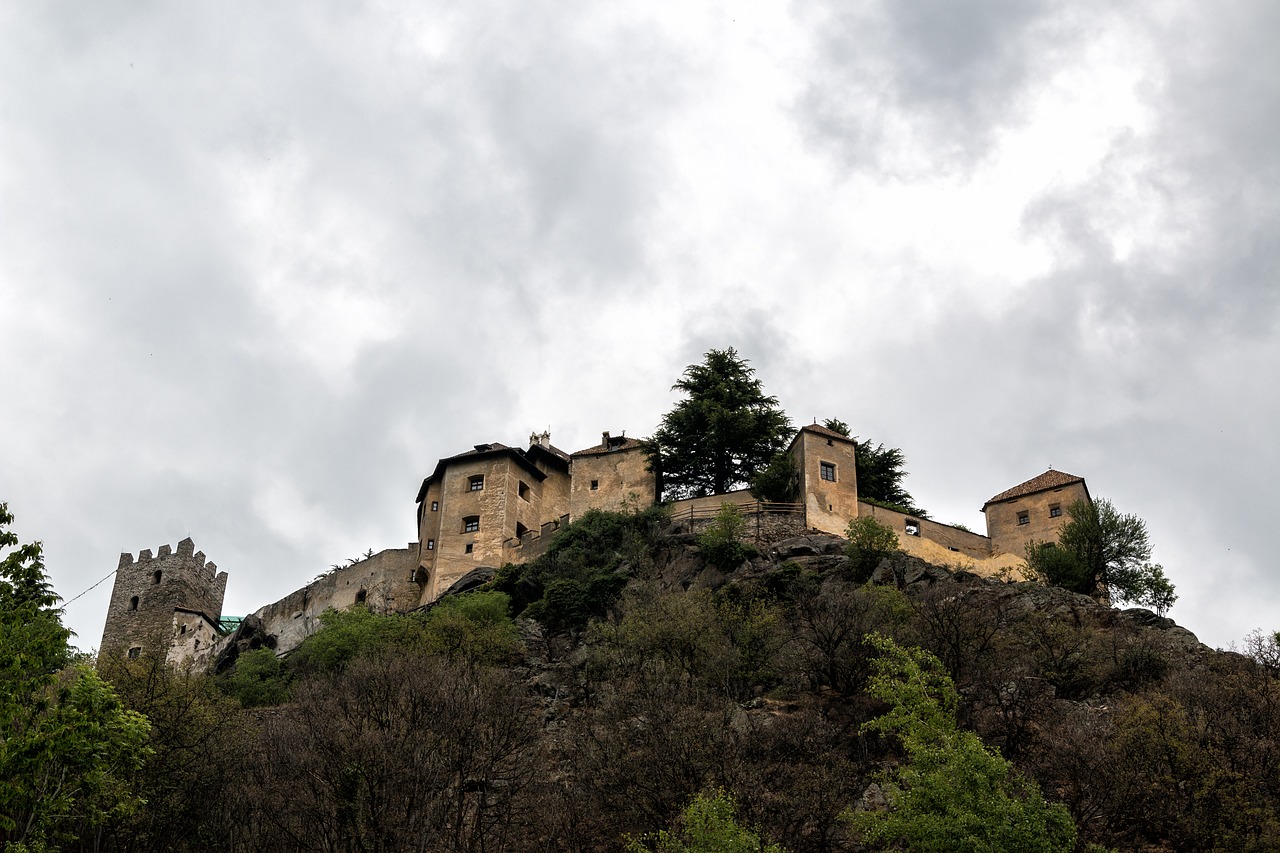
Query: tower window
x=471, y=524
x=435, y=506
x=827, y=471
x=521, y=530
x=524, y=490
x=156, y=577
x=1024, y=518
x=431, y=544
x=361, y=596
x=134, y=652
x=133, y=603
x=595, y=485
x=470, y=547
x=913, y=527
x=477, y=482
x=1055, y=511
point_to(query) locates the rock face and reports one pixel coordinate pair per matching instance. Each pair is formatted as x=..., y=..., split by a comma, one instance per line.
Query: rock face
x=252, y=634
x=471, y=580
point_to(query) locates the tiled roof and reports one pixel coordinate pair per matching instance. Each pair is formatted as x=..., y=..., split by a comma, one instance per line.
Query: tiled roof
x=821, y=430
x=1050, y=479
x=615, y=444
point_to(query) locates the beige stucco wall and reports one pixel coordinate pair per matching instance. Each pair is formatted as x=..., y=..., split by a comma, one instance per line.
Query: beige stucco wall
x=948, y=538
x=1009, y=537
x=385, y=579
x=194, y=637
x=829, y=506
x=623, y=478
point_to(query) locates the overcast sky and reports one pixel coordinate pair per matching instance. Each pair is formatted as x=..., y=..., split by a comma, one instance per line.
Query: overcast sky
x=262, y=264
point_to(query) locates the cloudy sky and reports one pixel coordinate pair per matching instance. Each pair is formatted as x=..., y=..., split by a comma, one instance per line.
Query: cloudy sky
x=262, y=264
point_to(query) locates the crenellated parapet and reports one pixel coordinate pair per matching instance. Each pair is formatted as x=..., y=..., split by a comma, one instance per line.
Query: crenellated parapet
x=149, y=588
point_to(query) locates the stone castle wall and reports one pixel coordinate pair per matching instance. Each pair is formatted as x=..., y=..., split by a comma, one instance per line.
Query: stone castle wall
x=149, y=589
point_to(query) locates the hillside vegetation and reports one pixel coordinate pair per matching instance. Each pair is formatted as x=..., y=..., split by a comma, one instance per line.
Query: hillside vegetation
x=636, y=689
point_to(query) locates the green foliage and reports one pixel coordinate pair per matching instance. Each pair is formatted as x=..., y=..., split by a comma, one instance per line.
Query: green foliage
x=709, y=826
x=869, y=543
x=880, y=476
x=722, y=433
x=952, y=794
x=720, y=543
x=258, y=678
x=474, y=627
x=68, y=747
x=584, y=568
x=779, y=481
x=837, y=425
x=1101, y=550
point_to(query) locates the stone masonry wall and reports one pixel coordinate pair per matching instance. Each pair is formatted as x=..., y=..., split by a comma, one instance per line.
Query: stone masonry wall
x=147, y=591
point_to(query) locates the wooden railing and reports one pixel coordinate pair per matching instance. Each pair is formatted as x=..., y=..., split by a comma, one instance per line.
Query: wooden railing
x=754, y=512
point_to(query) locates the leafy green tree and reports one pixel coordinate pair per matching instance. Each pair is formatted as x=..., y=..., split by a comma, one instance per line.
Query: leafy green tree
x=1101, y=551
x=720, y=543
x=880, y=473
x=710, y=826
x=258, y=678
x=68, y=747
x=724, y=432
x=475, y=627
x=951, y=794
x=779, y=481
x=869, y=543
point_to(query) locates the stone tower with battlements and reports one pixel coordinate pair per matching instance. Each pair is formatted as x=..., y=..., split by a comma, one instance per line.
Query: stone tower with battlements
x=150, y=590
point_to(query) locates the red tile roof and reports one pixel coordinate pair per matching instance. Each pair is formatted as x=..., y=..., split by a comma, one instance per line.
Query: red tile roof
x=1050, y=479
x=615, y=444
x=823, y=431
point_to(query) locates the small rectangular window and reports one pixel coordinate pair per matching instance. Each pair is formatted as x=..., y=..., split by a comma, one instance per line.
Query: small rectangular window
x=469, y=547
x=435, y=506
x=134, y=652
x=471, y=524
x=1024, y=518
x=913, y=528
x=595, y=484
x=1055, y=511
x=524, y=490
x=477, y=482
x=431, y=544
x=828, y=470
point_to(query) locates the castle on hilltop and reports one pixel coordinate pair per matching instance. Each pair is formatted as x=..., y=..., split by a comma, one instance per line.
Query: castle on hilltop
x=497, y=504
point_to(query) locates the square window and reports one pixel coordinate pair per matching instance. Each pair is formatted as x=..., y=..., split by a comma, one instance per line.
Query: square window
x=595, y=484
x=1055, y=511
x=913, y=528
x=469, y=547
x=471, y=524
x=1024, y=518
x=477, y=482
x=431, y=544
x=828, y=471
x=435, y=506
x=134, y=652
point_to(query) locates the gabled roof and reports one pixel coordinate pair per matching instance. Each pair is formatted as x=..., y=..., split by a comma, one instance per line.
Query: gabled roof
x=822, y=431
x=614, y=445
x=1050, y=479
x=482, y=451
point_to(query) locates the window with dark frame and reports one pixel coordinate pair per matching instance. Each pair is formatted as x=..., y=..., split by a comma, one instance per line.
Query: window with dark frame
x=469, y=547
x=828, y=471
x=477, y=482
x=431, y=544
x=1055, y=511
x=595, y=484
x=435, y=506
x=1024, y=518
x=471, y=524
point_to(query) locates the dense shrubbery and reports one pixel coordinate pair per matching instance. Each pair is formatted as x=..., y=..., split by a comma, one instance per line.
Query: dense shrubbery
x=584, y=568
x=752, y=715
